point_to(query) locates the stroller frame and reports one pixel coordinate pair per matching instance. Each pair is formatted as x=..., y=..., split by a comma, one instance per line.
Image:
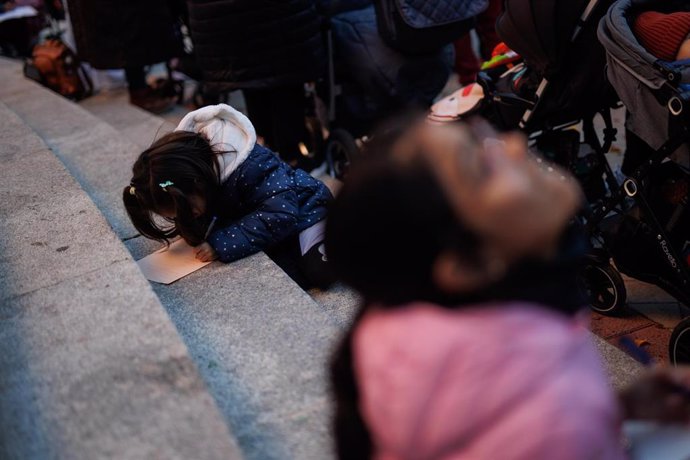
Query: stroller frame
x=544, y=84
x=546, y=104
x=643, y=80
x=617, y=195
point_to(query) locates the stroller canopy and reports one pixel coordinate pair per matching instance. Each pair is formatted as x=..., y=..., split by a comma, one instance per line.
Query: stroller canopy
x=541, y=30
x=616, y=35
x=635, y=73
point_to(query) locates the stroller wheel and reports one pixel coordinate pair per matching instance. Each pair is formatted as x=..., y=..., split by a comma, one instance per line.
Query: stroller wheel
x=604, y=288
x=341, y=149
x=679, y=345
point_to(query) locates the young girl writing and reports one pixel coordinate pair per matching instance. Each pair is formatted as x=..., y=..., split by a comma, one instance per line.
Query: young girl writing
x=228, y=196
x=470, y=344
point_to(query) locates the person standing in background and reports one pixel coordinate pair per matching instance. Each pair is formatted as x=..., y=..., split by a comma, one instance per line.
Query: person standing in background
x=466, y=62
x=129, y=34
x=268, y=49
x=18, y=36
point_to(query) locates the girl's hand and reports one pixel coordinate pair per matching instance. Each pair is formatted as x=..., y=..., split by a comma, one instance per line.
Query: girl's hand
x=662, y=395
x=205, y=253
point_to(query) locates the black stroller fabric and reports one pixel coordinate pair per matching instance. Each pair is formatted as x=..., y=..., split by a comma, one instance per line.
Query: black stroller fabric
x=421, y=27
x=541, y=32
x=635, y=73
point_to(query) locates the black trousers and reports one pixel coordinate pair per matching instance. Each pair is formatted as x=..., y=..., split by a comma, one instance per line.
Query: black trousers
x=309, y=270
x=136, y=77
x=278, y=116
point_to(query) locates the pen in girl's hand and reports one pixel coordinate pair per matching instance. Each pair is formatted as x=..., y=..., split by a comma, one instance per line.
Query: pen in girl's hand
x=210, y=227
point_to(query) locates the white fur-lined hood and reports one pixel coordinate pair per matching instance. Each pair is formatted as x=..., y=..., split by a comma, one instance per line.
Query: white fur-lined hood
x=227, y=130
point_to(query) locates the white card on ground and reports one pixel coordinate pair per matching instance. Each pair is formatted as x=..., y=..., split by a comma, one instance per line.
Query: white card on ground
x=170, y=264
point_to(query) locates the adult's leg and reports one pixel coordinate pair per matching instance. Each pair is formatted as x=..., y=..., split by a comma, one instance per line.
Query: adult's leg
x=142, y=95
x=486, y=28
x=259, y=106
x=287, y=120
x=136, y=77
x=15, y=38
x=466, y=62
x=278, y=116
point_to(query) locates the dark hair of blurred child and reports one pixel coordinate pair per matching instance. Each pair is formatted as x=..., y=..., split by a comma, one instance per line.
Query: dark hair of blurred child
x=470, y=343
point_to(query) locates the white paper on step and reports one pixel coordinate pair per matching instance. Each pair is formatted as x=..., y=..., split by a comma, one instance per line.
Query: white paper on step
x=168, y=265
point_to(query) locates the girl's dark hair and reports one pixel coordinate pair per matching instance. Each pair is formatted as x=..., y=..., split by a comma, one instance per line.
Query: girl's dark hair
x=388, y=224
x=188, y=164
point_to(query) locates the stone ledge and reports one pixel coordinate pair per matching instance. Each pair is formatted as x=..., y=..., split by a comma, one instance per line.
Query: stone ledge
x=260, y=342
x=90, y=365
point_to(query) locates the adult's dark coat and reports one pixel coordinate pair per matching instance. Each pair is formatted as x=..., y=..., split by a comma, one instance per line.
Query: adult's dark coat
x=257, y=43
x=118, y=33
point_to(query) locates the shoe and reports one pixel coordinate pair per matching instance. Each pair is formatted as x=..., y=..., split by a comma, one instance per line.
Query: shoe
x=151, y=100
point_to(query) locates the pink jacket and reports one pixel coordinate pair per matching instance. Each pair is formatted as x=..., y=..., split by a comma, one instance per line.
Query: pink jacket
x=506, y=383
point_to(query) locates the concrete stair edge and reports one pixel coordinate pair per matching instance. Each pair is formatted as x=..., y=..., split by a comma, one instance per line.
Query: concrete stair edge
x=260, y=342
x=92, y=366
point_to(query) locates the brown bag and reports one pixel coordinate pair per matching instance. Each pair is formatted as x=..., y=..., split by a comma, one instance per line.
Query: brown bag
x=54, y=65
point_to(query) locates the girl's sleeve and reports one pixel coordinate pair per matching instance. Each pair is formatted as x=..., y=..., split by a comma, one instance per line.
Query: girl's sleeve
x=267, y=182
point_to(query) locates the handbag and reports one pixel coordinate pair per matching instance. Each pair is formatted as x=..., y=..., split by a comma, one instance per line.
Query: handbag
x=423, y=26
x=54, y=65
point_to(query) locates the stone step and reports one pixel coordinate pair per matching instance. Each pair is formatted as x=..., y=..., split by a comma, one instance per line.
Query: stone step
x=138, y=126
x=80, y=140
x=261, y=344
x=90, y=364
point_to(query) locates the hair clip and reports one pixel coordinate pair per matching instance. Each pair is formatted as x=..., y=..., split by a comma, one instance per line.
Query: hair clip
x=132, y=190
x=165, y=184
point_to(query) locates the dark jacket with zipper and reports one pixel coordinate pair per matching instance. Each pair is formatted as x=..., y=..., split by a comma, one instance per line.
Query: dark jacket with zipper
x=116, y=34
x=257, y=43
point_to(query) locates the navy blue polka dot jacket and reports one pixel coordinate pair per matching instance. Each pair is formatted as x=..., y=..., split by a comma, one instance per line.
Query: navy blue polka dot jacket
x=263, y=202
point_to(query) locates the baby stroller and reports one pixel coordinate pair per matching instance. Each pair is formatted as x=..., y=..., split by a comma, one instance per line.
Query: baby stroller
x=651, y=207
x=559, y=83
x=560, y=80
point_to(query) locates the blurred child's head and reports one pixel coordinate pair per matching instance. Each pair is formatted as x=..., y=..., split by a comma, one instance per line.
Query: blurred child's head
x=176, y=178
x=441, y=211
x=666, y=36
